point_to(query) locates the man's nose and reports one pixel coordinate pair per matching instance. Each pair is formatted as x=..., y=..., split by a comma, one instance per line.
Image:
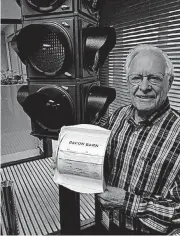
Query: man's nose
x=145, y=85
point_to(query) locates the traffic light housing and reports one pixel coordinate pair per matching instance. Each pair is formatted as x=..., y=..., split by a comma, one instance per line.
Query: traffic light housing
x=63, y=48
x=52, y=106
x=33, y=8
x=49, y=49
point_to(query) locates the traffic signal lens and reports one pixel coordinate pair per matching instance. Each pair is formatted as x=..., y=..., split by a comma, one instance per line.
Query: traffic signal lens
x=48, y=52
x=47, y=47
x=51, y=107
x=44, y=5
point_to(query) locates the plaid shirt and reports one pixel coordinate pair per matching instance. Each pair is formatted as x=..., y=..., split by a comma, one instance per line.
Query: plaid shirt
x=144, y=160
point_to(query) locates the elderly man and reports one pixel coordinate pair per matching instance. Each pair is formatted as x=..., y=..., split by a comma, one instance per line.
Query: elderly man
x=142, y=164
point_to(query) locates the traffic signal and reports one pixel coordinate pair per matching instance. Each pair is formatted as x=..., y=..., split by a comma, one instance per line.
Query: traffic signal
x=49, y=49
x=63, y=48
x=88, y=8
x=52, y=106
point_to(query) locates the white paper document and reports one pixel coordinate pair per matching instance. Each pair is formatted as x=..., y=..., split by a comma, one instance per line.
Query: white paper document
x=80, y=152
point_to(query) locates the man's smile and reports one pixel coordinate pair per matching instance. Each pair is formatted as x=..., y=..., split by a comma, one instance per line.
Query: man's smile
x=145, y=96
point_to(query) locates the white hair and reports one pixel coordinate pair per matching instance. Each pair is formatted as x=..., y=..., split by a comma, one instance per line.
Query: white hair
x=148, y=47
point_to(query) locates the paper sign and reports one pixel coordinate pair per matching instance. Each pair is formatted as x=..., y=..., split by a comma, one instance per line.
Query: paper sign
x=80, y=152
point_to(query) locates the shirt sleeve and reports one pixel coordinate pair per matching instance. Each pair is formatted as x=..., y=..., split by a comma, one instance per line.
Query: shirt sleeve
x=155, y=212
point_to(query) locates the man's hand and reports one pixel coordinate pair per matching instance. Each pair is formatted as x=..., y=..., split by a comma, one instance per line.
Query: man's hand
x=112, y=197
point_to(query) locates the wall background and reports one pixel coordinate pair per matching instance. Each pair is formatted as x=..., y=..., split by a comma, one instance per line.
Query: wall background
x=155, y=22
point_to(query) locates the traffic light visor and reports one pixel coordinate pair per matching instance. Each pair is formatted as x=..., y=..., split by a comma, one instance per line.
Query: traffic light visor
x=98, y=42
x=47, y=47
x=98, y=100
x=51, y=107
x=92, y=5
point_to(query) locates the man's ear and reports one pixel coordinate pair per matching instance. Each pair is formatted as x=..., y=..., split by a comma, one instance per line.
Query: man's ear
x=171, y=80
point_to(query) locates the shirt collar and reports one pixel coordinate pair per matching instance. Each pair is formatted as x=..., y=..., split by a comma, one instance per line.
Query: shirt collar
x=161, y=110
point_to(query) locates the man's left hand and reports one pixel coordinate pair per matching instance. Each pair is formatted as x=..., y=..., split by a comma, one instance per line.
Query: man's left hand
x=112, y=197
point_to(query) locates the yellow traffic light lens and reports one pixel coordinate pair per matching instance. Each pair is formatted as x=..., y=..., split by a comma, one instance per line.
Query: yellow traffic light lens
x=48, y=52
x=47, y=47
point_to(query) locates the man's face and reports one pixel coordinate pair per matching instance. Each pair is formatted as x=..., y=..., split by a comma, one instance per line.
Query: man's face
x=147, y=96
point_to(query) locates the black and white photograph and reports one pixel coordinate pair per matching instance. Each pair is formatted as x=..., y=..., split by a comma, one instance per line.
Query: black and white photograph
x=90, y=117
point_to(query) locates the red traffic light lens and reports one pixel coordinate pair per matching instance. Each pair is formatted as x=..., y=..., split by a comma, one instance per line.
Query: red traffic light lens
x=44, y=5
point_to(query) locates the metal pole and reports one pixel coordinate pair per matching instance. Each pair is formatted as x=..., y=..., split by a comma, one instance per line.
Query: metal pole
x=69, y=211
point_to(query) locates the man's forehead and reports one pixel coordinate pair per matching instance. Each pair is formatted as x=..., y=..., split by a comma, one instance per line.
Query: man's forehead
x=149, y=54
x=148, y=59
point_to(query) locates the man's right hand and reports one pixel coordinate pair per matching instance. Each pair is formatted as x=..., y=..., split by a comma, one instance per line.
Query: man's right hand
x=113, y=197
